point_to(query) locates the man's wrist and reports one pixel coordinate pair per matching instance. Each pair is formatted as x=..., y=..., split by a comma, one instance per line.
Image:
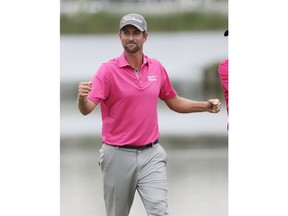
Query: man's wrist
x=82, y=100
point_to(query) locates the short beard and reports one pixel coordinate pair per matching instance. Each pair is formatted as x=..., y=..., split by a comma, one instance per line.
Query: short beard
x=134, y=50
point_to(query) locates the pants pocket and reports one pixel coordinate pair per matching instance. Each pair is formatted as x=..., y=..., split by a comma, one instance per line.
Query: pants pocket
x=101, y=158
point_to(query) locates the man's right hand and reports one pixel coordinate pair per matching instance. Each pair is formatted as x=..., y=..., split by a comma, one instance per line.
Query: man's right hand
x=83, y=89
x=85, y=106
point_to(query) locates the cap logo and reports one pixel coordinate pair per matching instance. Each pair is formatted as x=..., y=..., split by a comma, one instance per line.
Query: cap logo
x=127, y=18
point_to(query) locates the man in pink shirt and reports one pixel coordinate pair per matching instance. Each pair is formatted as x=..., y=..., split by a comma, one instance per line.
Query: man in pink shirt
x=128, y=88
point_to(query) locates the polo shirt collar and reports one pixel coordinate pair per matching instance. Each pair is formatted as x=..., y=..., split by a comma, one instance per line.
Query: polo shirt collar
x=123, y=62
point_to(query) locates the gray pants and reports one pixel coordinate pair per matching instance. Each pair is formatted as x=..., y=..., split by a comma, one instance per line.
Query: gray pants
x=127, y=170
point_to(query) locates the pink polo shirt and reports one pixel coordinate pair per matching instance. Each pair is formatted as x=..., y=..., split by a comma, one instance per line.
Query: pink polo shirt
x=223, y=74
x=129, y=101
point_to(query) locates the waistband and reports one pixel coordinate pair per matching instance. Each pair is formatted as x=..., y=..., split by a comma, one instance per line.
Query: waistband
x=146, y=146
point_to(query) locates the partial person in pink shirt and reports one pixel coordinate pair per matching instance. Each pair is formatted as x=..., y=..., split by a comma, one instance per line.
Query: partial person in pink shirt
x=224, y=77
x=128, y=88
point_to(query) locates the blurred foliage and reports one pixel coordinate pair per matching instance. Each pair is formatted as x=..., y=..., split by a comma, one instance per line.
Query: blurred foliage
x=106, y=22
x=211, y=83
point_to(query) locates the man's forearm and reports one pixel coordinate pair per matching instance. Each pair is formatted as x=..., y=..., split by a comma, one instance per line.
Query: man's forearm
x=183, y=105
x=85, y=106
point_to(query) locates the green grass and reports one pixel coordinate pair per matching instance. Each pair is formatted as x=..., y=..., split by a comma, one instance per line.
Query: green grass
x=105, y=22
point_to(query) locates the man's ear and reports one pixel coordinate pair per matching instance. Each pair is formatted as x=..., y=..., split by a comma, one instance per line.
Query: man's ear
x=145, y=35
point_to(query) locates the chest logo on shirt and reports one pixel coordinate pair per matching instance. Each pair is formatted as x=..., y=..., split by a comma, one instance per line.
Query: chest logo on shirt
x=151, y=78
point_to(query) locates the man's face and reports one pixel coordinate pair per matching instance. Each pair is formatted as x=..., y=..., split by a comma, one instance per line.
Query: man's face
x=132, y=39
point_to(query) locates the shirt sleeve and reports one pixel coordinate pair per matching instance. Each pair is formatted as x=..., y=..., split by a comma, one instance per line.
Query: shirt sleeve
x=100, y=87
x=167, y=91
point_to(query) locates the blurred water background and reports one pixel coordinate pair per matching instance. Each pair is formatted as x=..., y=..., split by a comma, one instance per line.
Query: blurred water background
x=196, y=144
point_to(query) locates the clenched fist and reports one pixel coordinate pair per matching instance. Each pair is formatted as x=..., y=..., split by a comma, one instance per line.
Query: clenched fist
x=83, y=89
x=214, y=105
